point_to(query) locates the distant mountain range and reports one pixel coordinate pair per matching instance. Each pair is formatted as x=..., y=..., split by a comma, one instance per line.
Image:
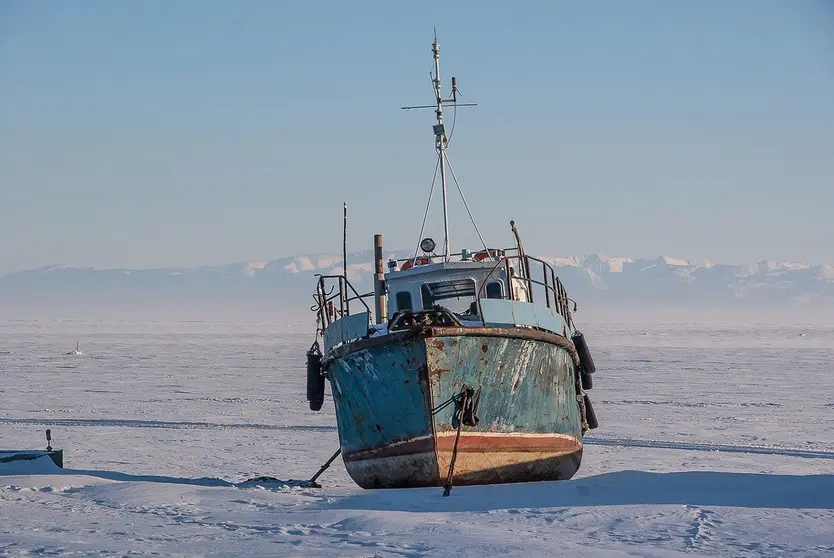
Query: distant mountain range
x=289, y=282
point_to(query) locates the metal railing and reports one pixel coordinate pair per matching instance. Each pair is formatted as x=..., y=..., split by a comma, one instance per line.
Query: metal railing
x=501, y=251
x=555, y=295
x=332, y=287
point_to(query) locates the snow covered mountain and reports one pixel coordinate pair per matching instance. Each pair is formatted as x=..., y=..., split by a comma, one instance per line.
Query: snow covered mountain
x=288, y=282
x=665, y=279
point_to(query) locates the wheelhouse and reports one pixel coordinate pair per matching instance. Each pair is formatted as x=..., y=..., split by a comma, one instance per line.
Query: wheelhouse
x=454, y=285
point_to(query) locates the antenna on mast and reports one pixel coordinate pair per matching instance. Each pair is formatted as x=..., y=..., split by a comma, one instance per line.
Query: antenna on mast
x=441, y=141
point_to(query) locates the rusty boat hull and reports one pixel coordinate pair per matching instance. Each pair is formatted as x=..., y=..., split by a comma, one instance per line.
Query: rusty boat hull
x=395, y=431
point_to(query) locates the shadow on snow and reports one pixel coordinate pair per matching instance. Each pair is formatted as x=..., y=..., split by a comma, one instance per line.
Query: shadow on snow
x=44, y=466
x=621, y=488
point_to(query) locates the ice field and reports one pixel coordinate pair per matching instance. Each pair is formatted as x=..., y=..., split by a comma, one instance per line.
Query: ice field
x=713, y=440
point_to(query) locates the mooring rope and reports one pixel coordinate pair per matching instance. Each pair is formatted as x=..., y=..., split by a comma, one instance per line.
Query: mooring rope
x=444, y=405
x=447, y=487
x=465, y=413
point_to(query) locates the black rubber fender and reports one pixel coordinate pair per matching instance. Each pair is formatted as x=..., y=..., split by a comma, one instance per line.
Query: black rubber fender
x=315, y=381
x=586, y=361
x=590, y=415
x=587, y=380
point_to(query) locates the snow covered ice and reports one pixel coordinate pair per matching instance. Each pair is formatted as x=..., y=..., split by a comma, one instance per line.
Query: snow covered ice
x=713, y=441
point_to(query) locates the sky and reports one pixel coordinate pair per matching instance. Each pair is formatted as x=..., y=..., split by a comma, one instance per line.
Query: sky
x=155, y=134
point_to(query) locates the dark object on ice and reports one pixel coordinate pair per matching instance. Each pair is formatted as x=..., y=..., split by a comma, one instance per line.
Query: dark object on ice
x=57, y=456
x=292, y=482
x=265, y=480
x=7, y=456
x=315, y=380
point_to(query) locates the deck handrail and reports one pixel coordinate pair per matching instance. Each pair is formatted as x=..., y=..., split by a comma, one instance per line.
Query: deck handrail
x=411, y=258
x=554, y=286
x=323, y=298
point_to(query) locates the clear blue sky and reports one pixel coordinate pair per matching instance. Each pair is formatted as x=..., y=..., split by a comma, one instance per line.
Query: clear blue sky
x=144, y=134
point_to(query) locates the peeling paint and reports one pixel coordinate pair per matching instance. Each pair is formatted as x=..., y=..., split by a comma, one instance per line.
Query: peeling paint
x=389, y=436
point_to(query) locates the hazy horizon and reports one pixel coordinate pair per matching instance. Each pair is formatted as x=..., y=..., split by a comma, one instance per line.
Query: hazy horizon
x=351, y=252
x=300, y=318
x=204, y=133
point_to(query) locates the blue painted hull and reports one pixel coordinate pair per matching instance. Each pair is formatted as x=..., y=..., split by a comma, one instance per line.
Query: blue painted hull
x=386, y=390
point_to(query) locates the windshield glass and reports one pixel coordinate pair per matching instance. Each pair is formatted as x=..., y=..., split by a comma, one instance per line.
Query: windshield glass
x=457, y=295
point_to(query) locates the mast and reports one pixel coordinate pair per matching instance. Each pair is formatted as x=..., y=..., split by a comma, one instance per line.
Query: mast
x=441, y=142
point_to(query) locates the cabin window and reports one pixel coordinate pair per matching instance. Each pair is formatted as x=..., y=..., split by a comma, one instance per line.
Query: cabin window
x=495, y=289
x=404, y=301
x=456, y=295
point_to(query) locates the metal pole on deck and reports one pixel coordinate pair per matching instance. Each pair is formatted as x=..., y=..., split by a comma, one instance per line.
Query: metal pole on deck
x=379, y=282
x=344, y=242
x=343, y=284
x=441, y=142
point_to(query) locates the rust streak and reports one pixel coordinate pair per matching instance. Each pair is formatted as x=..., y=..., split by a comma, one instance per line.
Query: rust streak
x=437, y=372
x=435, y=332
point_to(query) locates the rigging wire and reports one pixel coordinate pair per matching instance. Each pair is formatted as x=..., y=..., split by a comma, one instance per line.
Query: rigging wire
x=466, y=205
x=454, y=121
x=441, y=156
x=426, y=214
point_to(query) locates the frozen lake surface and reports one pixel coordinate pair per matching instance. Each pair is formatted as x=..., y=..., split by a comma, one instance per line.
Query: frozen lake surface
x=713, y=441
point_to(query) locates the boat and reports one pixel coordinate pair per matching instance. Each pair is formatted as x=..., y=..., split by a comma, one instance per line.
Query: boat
x=468, y=370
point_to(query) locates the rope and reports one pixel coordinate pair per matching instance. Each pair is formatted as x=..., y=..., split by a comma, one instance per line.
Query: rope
x=454, y=121
x=447, y=487
x=466, y=414
x=443, y=405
